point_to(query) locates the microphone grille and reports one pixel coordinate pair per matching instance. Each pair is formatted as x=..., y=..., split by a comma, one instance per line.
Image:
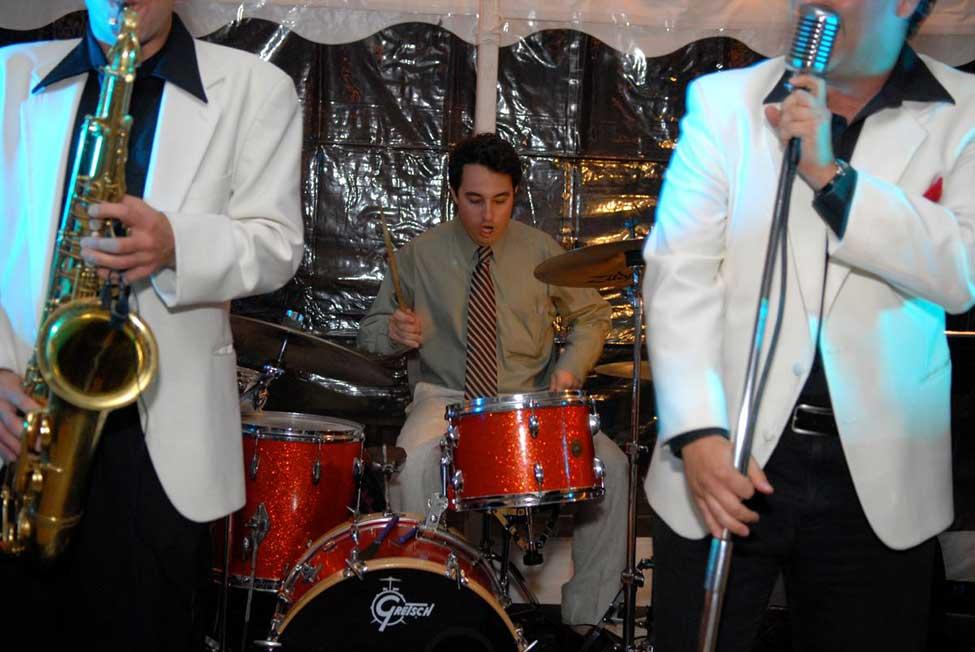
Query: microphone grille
x=813, y=42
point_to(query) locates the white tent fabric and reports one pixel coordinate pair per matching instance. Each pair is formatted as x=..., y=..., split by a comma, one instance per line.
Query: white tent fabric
x=638, y=27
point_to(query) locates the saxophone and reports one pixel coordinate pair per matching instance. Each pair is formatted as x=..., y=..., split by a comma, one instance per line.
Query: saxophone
x=92, y=355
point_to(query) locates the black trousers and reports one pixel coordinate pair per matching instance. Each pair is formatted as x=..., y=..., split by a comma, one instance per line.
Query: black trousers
x=846, y=590
x=135, y=577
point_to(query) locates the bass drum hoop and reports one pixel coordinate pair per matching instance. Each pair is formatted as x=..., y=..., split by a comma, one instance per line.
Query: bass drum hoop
x=453, y=537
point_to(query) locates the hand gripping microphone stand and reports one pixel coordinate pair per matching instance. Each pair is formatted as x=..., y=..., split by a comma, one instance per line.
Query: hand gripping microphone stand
x=811, y=47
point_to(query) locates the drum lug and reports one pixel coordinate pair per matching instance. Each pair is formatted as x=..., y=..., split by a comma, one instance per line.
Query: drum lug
x=259, y=523
x=453, y=435
x=533, y=425
x=316, y=472
x=355, y=566
x=252, y=467
x=309, y=572
x=594, y=423
x=455, y=572
x=458, y=483
x=599, y=470
x=539, y=475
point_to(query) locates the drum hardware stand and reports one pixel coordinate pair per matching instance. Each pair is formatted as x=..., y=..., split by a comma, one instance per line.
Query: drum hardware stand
x=437, y=503
x=632, y=576
x=257, y=393
x=354, y=566
x=387, y=468
x=506, y=570
x=358, y=473
x=259, y=523
x=220, y=645
x=532, y=544
x=455, y=572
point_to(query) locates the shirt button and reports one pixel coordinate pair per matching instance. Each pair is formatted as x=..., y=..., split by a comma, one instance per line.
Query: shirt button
x=798, y=369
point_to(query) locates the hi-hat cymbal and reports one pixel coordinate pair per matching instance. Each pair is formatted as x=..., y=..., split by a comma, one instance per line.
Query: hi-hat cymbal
x=623, y=370
x=607, y=265
x=262, y=340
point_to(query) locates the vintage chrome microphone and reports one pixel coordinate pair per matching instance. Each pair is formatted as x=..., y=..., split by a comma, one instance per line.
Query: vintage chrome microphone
x=811, y=48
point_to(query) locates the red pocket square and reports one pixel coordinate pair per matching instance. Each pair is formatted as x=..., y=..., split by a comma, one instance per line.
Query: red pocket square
x=934, y=192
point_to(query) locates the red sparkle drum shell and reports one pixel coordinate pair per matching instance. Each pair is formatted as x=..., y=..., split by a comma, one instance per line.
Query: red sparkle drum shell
x=300, y=468
x=406, y=594
x=523, y=450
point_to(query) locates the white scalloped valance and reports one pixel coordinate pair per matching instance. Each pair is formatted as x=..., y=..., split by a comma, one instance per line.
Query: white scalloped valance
x=647, y=27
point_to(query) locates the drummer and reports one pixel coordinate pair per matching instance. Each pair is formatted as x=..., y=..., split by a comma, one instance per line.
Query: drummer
x=474, y=275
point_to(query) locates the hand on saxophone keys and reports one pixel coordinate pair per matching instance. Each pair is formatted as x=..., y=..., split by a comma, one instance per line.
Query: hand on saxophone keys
x=12, y=399
x=148, y=246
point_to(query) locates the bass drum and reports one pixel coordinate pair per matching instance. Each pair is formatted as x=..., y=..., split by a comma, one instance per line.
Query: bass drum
x=403, y=587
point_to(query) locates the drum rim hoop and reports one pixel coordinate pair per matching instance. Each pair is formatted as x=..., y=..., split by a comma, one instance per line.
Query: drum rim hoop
x=259, y=431
x=506, y=402
x=530, y=498
x=450, y=534
x=306, y=436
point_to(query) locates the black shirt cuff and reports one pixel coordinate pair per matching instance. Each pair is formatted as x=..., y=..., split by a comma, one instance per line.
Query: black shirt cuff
x=833, y=201
x=678, y=442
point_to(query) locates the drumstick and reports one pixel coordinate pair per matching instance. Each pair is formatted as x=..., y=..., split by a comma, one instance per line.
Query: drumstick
x=393, y=269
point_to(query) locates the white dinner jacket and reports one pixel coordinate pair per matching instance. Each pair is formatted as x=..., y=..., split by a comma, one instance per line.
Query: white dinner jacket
x=902, y=261
x=226, y=173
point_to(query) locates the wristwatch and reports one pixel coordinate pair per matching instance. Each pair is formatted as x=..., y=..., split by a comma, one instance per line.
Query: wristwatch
x=842, y=170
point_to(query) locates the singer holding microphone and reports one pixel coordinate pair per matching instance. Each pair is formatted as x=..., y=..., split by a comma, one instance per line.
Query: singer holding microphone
x=850, y=476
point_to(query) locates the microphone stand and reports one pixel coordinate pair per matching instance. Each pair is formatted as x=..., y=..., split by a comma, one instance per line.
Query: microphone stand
x=719, y=555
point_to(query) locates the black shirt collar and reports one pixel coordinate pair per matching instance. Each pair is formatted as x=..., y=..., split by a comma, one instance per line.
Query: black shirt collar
x=909, y=80
x=174, y=63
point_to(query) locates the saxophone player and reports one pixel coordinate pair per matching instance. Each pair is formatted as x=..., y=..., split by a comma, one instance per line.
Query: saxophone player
x=211, y=214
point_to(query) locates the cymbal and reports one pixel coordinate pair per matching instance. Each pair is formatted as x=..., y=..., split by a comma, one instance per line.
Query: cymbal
x=305, y=352
x=623, y=370
x=606, y=265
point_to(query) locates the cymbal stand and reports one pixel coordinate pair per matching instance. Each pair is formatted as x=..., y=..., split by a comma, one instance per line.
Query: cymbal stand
x=387, y=468
x=257, y=393
x=259, y=523
x=632, y=577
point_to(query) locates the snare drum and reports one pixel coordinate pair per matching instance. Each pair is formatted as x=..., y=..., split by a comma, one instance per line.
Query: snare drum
x=523, y=450
x=300, y=482
x=387, y=582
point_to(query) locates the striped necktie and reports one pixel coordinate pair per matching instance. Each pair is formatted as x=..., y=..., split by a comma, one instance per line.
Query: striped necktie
x=481, y=374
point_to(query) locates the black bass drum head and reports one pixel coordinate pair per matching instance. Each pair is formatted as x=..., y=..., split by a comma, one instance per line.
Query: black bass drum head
x=399, y=608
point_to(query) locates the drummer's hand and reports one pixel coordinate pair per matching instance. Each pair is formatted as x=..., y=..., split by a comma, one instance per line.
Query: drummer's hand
x=404, y=328
x=717, y=487
x=562, y=379
x=12, y=398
